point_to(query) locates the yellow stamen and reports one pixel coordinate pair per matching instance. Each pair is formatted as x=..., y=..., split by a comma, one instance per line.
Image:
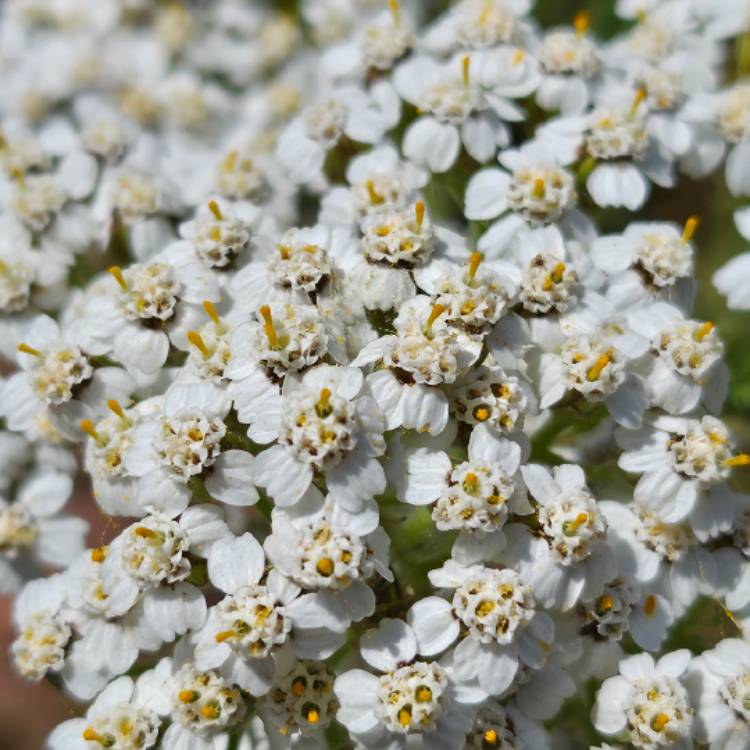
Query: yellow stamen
x=313, y=716
x=539, y=189
x=424, y=694
x=375, y=198
x=91, y=735
x=210, y=309
x=570, y=527
x=741, y=459
x=145, y=533
x=197, y=341
x=88, y=427
x=606, y=603
x=419, y=212
x=404, y=717
x=690, y=226
x=481, y=413
x=210, y=711
x=323, y=407
x=702, y=331
x=298, y=686
x=649, y=606
x=476, y=259
x=116, y=271
x=490, y=737
x=659, y=722
x=213, y=207
x=114, y=406
x=471, y=482
x=231, y=161
x=596, y=370
x=225, y=635
x=268, y=327
x=99, y=554
x=395, y=7
x=558, y=273
x=465, y=63
x=188, y=696
x=582, y=22
x=640, y=95
x=26, y=349
x=325, y=567
x=437, y=311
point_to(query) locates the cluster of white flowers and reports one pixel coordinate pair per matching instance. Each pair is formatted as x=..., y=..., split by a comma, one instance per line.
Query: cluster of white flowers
x=311, y=293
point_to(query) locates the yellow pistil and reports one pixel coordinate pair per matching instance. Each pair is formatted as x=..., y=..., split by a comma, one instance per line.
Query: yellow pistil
x=419, y=213
x=690, y=226
x=188, y=696
x=325, y=567
x=99, y=554
x=323, y=407
x=210, y=711
x=88, y=427
x=571, y=527
x=210, y=309
x=268, y=327
x=490, y=737
x=116, y=271
x=437, y=311
x=197, y=341
x=598, y=367
x=582, y=22
x=375, y=198
x=703, y=330
x=465, y=64
x=659, y=722
x=539, y=189
x=26, y=349
x=741, y=459
x=404, y=717
x=91, y=735
x=640, y=95
x=225, y=635
x=395, y=8
x=476, y=259
x=313, y=716
x=213, y=207
x=649, y=606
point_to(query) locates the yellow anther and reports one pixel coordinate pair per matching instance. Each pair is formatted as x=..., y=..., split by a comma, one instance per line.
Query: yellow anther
x=490, y=737
x=88, y=427
x=91, y=735
x=325, y=567
x=481, y=413
x=211, y=711
x=268, y=326
x=465, y=64
x=597, y=368
x=114, y=406
x=375, y=198
x=659, y=722
x=26, y=349
x=116, y=271
x=484, y=608
x=323, y=407
x=213, y=207
x=225, y=635
x=606, y=603
x=638, y=99
x=404, y=717
x=558, y=272
x=649, y=606
x=741, y=459
x=435, y=313
x=210, y=309
x=188, y=696
x=313, y=716
x=197, y=341
x=419, y=213
x=423, y=694
x=582, y=22
x=476, y=259
x=703, y=330
x=99, y=554
x=471, y=482
x=298, y=686
x=145, y=533
x=395, y=7
x=539, y=189
x=690, y=226
x=231, y=161
x=571, y=527
x=518, y=57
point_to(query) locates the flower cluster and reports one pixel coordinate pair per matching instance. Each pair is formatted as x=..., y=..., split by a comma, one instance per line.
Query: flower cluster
x=404, y=446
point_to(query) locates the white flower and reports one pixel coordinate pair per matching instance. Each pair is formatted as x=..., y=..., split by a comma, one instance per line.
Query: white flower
x=505, y=727
x=409, y=698
x=495, y=611
x=34, y=531
x=719, y=681
x=325, y=425
x=729, y=279
x=647, y=702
